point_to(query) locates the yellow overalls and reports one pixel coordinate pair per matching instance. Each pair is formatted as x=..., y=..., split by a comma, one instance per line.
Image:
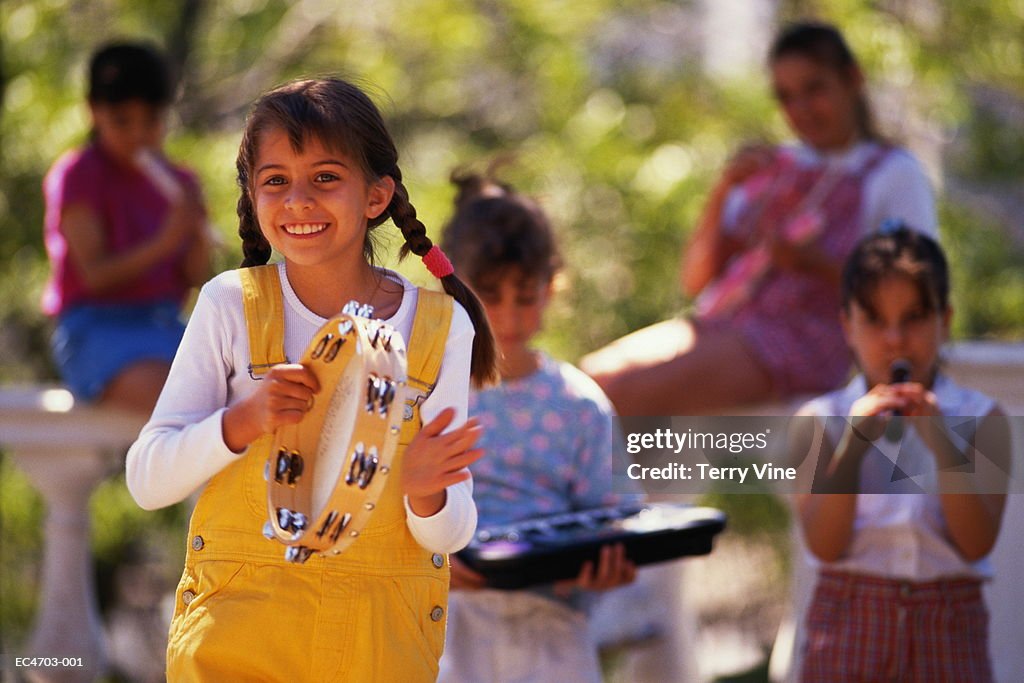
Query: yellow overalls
x=376, y=612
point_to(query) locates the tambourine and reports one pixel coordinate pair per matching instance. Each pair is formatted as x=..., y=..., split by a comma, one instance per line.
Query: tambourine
x=326, y=473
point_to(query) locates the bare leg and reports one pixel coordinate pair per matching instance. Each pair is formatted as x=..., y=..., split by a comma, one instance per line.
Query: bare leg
x=658, y=343
x=671, y=368
x=137, y=387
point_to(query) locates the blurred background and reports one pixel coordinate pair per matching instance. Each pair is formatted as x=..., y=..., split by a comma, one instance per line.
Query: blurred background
x=616, y=116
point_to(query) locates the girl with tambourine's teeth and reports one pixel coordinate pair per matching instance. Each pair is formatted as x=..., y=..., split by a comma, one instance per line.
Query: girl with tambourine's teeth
x=318, y=173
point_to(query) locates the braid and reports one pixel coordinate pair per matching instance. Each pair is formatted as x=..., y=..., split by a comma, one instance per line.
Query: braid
x=403, y=213
x=484, y=366
x=255, y=248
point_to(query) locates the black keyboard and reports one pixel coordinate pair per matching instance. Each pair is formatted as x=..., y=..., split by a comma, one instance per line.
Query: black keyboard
x=546, y=549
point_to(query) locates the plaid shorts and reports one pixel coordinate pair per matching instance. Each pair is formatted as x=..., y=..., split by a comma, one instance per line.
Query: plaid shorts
x=863, y=628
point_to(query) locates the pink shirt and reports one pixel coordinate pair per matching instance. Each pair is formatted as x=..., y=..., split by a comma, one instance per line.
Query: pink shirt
x=131, y=210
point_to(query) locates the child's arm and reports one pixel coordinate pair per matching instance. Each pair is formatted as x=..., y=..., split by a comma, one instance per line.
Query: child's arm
x=102, y=271
x=452, y=525
x=183, y=444
x=283, y=397
x=595, y=440
x=710, y=249
x=809, y=258
x=195, y=264
x=827, y=518
x=973, y=518
x=591, y=483
x=436, y=460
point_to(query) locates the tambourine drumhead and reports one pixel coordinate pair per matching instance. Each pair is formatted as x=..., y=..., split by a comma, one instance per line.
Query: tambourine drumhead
x=325, y=474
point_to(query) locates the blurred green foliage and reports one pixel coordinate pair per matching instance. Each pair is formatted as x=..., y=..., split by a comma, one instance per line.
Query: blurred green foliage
x=604, y=109
x=21, y=514
x=606, y=112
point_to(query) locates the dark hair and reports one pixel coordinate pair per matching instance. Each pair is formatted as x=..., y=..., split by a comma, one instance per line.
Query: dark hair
x=130, y=71
x=495, y=229
x=899, y=250
x=344, y=119
x=824, y=44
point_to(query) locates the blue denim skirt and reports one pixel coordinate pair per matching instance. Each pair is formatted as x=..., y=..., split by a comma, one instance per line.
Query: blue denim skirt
x=93, y=343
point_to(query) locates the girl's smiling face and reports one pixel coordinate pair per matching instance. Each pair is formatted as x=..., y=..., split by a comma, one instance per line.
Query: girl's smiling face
x=313, y=204
x=819, y=102
x=897, y=325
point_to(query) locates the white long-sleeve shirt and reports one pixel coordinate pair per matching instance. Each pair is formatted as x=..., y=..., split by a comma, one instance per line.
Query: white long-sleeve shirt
x=182, y=446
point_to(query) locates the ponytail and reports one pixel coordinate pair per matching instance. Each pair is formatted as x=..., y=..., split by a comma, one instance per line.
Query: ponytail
x=484, y=367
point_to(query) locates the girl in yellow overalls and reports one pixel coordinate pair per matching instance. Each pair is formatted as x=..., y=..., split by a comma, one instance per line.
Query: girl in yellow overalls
x=318, y=172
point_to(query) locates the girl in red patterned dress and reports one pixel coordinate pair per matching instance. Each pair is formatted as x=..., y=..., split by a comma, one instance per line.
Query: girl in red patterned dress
x=764, y=262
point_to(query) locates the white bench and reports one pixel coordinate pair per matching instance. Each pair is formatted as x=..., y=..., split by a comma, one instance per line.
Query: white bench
x=66, y=450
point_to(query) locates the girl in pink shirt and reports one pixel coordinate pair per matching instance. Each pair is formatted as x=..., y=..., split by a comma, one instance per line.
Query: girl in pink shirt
x=126, y=235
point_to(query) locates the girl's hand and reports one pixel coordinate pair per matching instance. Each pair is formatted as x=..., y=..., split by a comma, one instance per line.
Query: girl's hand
x=804, y=256
x=870, y=413
x=435, y=461
x=921, y=403
x=283, y=397
x=613, y=569
x=185, y=222
x=464, y=578
x=918, y=401
x=746, y=162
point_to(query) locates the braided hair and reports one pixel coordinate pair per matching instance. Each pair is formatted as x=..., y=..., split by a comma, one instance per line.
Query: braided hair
x=343, y=118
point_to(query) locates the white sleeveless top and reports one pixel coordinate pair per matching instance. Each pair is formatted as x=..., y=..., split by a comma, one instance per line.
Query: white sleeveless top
x=899, y=532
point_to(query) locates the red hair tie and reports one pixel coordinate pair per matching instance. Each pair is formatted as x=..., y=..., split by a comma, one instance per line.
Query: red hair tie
x=437, y=263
